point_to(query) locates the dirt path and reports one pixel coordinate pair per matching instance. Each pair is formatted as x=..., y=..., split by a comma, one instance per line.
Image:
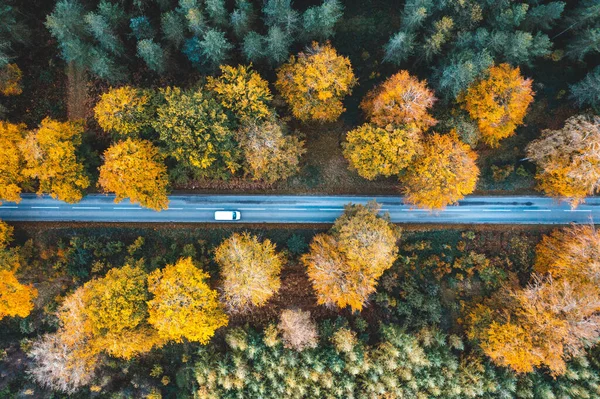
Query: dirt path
x=76, y=92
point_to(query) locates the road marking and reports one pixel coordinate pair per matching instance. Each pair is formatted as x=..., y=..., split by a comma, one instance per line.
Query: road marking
x=384, y=210
x=8, y=207
x=174, y=209
x=457, y=210
x=415, y=210
x=252, y=209
x=536, y=210
x=331, y=209
x=578, y=210
x=496, y=210
x=292, y=209
x=85, y=207
x=44, y=207
x=127, y=209
x=208, y=209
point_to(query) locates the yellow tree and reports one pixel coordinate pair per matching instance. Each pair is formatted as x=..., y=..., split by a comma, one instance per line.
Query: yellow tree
x=184, y=306
x=375, y=151
x=402, y=99
x=442, y=174
x=250, y=271
x=315, y=82
x=11, y=161
x=243, y=91
x=6, y=234
x=50, y=156
x=498, y=102
x=16, y=299
x=344, y=265
x=116, y=313
x=556, y=316
x=134, y=169
x=567, y=159
x=123, y=110
x=269, y=154
x=10, y=80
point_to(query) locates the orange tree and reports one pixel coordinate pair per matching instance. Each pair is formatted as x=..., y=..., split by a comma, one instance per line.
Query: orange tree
x=315, y=82
x=401, y=99
x=567, y=159
x=498, y=102
x=50, y=156
x=134, y=169
x=552, y=319
x=116, y=313
x=344, y=265
x=242, y=91
x=124, y=110
x=250, y=271
x=375, y=151
x=183, y=304
x=11, y=161
x=269, y=154
x=443, y=173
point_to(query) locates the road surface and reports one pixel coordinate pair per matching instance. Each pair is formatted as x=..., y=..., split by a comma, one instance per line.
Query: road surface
x=300, y=209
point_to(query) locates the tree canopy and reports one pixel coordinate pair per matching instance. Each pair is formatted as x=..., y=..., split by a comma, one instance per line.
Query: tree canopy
x=315, y=82
x=123, y=110
x=11, y=161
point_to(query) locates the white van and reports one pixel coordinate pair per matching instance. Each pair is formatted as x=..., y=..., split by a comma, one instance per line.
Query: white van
x=228, y=215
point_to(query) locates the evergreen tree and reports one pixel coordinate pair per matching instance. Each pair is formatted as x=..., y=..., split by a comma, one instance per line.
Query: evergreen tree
x=587, y=91
x=278, y=44
x=152, y=54
x=103, y=31
x=242, y=18
x=12, y=31
x=280, y=13
x=254, y=47
x=215, y=48
x=67, y=24
x=141, y=28
x=173, y=28
x=318, y=22
x=399, y=48
x=544, y=16
x=217, y=12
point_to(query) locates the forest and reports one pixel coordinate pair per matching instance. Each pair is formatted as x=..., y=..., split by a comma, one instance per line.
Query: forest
x=424, y=99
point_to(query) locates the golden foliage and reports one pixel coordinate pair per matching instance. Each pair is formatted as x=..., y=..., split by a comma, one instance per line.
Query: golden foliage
x=11, y=161
x=116, y=313
x=270, y=155
x=442, y=174
x=499, y=102
x=315, y=82
x=6, y=234
x=250, y=270
x=123, y=110
x=344, y=265
x=402, y=99
x=375, y=151
x=556, y=316
x=243, y=91
x=134, y=169
x=184, y=305
x=16, y=299
x=10, y=80
x=567, y=159
x=49, y=154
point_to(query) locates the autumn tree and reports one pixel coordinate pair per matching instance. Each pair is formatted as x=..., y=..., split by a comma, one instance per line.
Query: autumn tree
x=116, y=313
x=269, y=154
x=402, y=99
x=50, y=156
x=123, y=110
x=242, y=91
x=10, y=80
x=197, y=132
x=345, y=264
x=11, y=161
x=63, y=360
x=183, y=304
x=567, y=159
x=298, y=330
x=443, y=173
x=134, y=169
x=315, y=82
x=556, y=316
x=250, y=270
x=16, y=299
x=374, y=151
x=498, y=102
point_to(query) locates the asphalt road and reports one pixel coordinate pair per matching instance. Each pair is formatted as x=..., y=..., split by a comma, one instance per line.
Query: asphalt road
x=299, y=209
